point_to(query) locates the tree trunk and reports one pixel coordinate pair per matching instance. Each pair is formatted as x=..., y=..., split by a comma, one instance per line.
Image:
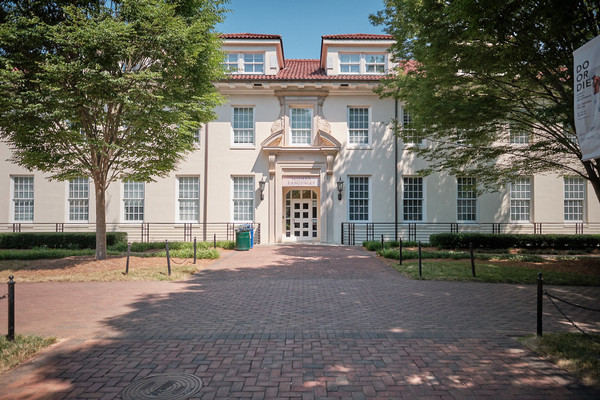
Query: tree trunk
x=592, y=171
x=100, y=221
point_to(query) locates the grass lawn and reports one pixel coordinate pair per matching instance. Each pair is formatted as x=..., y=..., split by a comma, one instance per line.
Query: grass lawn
x=13, y=353
x=502, y=268
x=574, y=352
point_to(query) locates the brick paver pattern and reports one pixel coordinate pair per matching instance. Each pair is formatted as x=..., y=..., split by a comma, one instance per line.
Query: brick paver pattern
x=295, y=321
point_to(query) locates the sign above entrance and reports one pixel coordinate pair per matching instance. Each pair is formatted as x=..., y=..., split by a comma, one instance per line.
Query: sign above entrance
x=300, y=181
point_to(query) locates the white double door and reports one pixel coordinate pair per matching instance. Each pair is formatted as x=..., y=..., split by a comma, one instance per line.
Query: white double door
x=301, y=216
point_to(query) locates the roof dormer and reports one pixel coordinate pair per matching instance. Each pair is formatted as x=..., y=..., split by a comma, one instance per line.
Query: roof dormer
x=356, y=54
x=253, y=54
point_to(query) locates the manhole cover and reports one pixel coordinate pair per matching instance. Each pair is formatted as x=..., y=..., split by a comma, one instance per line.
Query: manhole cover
x=163, y=387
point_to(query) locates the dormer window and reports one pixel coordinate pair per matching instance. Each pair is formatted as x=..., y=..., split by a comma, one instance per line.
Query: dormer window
x=363, y=63
x=245, y=63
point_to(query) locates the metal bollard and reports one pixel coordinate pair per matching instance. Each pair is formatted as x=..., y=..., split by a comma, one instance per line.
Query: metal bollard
x=215, y=240
x=11, y=309
x=128, y=251
x=540, y=290
x=381, y=242
x=420, y=267
x=400, y=251
x=194, y=249
x=472, y=260
x=168, y=257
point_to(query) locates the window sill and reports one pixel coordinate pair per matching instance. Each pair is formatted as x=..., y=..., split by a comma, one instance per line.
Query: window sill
x=359, y=147
x=240, y=147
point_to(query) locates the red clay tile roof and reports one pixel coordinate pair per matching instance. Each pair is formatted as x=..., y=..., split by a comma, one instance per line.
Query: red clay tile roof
x=302, y=70
x=358, y=36
x=248, y=36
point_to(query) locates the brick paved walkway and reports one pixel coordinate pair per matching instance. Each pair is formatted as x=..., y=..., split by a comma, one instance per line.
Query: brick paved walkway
x=299, y=321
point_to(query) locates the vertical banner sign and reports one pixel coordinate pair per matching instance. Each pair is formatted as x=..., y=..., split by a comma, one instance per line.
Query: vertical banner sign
x=587, y=98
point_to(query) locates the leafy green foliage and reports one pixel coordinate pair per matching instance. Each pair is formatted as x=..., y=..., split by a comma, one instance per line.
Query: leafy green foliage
x=472, y=71
x=374, y=245
x=107, y=89
x=58, y=240
x=506, y=241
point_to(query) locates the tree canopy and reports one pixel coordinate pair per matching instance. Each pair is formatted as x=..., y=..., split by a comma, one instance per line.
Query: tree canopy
x=109, y=90
x=478, y=74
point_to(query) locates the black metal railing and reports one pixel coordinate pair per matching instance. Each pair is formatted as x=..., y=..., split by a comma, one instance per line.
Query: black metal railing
x=146, y=231
x=354, y=233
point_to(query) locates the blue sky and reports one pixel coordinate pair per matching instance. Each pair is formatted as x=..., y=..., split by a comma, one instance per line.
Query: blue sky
x=301, y=23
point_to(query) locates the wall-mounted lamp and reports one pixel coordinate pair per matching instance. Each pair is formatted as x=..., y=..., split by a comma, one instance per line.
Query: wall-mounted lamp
x=340, y=188
x=261, y=187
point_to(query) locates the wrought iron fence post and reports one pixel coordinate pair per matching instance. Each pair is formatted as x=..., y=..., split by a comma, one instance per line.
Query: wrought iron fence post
x=540, y=290
x=168, y=257
x=11, y=309
x=400, y=251
x=194, y=249
x=127, y=264
x=420, y=268
x=472, y=260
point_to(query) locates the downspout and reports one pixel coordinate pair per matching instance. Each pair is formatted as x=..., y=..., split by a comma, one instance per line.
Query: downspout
x=396, y=169
x=205, y=208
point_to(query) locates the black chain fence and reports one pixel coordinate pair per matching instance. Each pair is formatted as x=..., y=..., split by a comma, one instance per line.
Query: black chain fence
x=4, y=297
x=552, y=299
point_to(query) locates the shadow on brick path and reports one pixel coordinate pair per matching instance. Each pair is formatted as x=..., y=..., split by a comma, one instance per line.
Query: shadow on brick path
x=296, y=321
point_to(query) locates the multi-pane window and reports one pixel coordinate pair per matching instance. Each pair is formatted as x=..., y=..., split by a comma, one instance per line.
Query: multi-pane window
x=466, y=199
x=350, y=63
x=231, y=62
x=375, y=63
x=133, y=201
x=518, y=135
x=23, y=198
x=358, y=198
x=254, y=63
x=243, y=198
x=79, y=199
x=362, y=63
x=245, y=63
x=409, y=134
x=301, y=125
x=574, y=198
x=243, y=125
x=358, y=125
x=413, y=199
x=520, y=199
x=189, y=198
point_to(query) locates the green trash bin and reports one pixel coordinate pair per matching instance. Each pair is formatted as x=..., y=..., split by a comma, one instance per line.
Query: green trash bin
x=242, y=240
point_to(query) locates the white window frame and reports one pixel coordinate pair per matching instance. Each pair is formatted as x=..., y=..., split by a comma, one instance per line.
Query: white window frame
x=194, y=201
x=351, y=129
x=574, y=192
x=408, y=134
x=294, y=130
x=77, y=198
x=358, y=65
x=520, y=198
x=242, y=63
x=351, y=199
x=251, y=130
x=411, y=199
x=17, y=200
x=127, y=199
x=239, y=201
x=518, y=137
x=466, y=198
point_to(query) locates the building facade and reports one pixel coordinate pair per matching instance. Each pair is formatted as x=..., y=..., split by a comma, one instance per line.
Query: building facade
x=306, y=150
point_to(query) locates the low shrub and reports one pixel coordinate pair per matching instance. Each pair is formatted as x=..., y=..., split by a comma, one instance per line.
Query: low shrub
x=521, y=241
x=374, y=245
x=58, y=240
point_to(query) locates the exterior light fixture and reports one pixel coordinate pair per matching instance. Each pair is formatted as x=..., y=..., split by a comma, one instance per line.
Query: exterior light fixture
x=261, y=187
x=340, y=188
